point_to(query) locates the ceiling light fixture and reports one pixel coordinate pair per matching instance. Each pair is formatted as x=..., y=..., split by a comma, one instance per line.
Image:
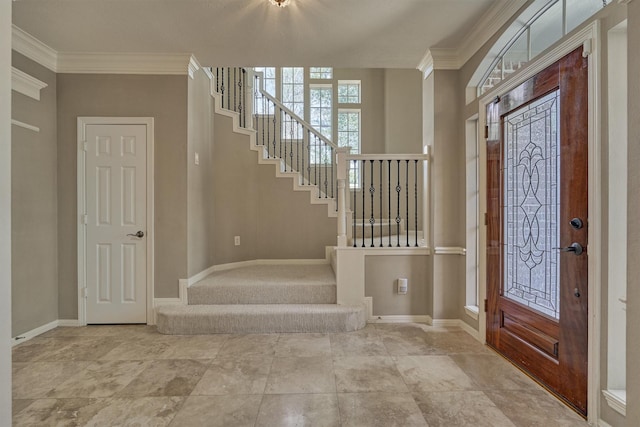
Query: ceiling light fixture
x=280, y=3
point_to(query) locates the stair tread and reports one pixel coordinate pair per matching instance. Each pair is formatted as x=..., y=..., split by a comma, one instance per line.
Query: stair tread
x=280, y=275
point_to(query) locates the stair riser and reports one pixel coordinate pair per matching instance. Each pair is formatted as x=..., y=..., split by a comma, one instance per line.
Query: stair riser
x=260, y=323
x=318, y=294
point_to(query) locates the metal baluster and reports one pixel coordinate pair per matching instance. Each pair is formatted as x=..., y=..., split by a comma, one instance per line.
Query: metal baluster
x=364, y=173
x=283, y=128
x=273, y=106
x=229, y=85
x=398, y=218
x=415, y=176
x=355, y=205
x=298, y=148
x=389, y=198
x=406, y=192
x=372, y=191
x=217, y=80
x=222, y=86
x=309, y=157
x=381, y=215
x=240, y=98
x=291, y=147
x=326, y=182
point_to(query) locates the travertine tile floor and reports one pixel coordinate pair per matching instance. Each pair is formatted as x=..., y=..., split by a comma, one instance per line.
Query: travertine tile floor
x=384, y=375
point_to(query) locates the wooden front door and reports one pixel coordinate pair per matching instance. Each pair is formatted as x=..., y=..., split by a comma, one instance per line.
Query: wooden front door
x=537, y=227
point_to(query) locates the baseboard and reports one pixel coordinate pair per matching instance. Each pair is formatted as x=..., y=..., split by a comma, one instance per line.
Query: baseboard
x=602, y=423
x=399, y=319
x=68, y=322
x=41, y=330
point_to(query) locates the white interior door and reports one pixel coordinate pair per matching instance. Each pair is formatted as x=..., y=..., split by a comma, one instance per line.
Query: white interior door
x=116, y=223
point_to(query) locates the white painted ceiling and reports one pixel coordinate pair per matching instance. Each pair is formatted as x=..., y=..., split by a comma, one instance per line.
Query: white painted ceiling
x=339, y=33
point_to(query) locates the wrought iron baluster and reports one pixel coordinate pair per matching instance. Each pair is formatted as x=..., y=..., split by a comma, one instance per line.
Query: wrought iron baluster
x=291, y=147
x=415, y=201
x=398, y=218
x=389, y=198
x=406, y=192
x=364, y=173
x=355, y=206
x=222, y=85
x=381, y=215
x=240, y=98
x=229, y=86
x=309, y=157
x=326, y=191
x=217, y=80
x=272, y=106
x=372, y=191
x=332, y=159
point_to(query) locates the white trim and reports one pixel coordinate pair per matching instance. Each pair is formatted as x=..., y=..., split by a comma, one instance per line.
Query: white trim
x=26, y=84
x=616, y=401
x=25, y=125
x=450, y=250
x=454, y=323
x=559, y=50
x=193, y=67
x=378, y=251
x=42, y=329
x=123, y=63
x=68, y=322
x=29, y=46
x=602, y=423
x=33, y=333
x=80, y=178
x=400, y=318
x=485, y=27
x=472, y=311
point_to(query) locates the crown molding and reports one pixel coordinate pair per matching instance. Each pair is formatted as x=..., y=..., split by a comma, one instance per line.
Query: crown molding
x=489, y=23
x=124, y=63
x=193, y=66
x=29, y=46
x=438, y=59
x=625, y=1
x=25, y=84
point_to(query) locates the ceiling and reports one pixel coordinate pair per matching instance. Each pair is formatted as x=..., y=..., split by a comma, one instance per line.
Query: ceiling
x=338, y=33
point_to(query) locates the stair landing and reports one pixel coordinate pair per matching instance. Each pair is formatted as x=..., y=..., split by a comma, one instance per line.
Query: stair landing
x=263, y=299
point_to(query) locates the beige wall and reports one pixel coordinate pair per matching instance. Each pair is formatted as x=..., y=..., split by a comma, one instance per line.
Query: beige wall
x=200, y=196
x=165, y=99
x=34, y=204
x=272, y=220
x=381, y=274
x=5, y=210
x=633, y=248
x=403, y=111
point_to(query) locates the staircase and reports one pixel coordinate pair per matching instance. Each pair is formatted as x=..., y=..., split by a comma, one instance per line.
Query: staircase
x=263, y=299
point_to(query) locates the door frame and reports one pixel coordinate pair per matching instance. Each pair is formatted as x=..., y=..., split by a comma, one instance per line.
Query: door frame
x=81, y=208
x=589, y=38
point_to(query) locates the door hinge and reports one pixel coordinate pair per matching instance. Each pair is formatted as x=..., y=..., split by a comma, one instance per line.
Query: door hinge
x=486, y=218
x=486, y=305
x=84, y=219
x=84, y=146
x=486, y=132
x=84, y=293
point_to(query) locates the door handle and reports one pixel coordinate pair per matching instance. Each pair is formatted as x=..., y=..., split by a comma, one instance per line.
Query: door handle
x=575, y=247
x=140, y=234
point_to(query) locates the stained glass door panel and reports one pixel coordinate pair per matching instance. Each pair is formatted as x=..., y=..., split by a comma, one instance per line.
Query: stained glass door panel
x=531, y=205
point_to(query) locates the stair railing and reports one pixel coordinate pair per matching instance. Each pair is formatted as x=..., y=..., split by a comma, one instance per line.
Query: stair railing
x=234, y=86
x=287, y=136
x=391, y=207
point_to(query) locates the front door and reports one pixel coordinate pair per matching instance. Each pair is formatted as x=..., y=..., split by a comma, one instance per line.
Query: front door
x=115, y=194
x=537, y=227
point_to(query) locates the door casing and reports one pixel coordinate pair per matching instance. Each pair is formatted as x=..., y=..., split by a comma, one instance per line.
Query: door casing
x=81, y=209
x=589, y=38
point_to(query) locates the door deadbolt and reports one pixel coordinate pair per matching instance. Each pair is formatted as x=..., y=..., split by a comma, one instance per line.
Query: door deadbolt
x=139, y=234
x=576, y=223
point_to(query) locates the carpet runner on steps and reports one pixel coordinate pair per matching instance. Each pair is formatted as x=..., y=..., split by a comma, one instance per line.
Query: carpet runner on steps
x=263, y=299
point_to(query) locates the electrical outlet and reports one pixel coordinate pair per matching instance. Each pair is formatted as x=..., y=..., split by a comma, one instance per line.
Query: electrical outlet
x=236, y=240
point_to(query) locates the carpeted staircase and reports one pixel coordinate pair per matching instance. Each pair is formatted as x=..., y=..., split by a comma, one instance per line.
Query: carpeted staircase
x=262, y=299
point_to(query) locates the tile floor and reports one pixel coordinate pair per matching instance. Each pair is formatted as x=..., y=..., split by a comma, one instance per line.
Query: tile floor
x=384, y=375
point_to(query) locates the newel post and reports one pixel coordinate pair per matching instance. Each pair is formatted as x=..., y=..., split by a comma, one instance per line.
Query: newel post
x=341, y=178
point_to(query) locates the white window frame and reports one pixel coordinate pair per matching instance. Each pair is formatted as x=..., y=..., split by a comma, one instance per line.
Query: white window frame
x=358, y=181
x=321, y=73
x=348, y=83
